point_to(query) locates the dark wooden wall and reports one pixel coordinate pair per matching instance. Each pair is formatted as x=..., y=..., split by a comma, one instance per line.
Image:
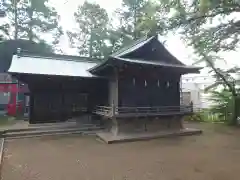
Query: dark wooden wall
x=154, y=51
x=146, y=89
x=52, y=97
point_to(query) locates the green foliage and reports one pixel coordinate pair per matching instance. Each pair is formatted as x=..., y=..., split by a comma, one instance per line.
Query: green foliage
x=98, y=36
x=196, y=117
x=130, y=16
x=224, y=104
x=4, y=31
x=220, y=112
x=92, y=32
x=9, y=47
x=30, y=19
x=205, y=116
x=6, y=120
x=140, y=17
x=209, y=27
x=212, y=26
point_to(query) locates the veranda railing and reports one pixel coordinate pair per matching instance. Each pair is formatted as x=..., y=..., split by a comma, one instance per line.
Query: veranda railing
x=111, y=111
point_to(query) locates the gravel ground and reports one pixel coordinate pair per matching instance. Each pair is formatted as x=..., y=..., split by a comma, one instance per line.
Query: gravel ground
x=214, y=155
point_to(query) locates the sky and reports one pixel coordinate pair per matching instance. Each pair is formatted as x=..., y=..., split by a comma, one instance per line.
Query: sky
x=66, y=8
x=174, y=44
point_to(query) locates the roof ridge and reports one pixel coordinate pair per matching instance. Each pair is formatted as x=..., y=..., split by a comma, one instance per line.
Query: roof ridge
x=60, y=57
x=133, y=43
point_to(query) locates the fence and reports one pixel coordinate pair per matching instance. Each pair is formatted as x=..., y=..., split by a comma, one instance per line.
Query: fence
x=142, y=111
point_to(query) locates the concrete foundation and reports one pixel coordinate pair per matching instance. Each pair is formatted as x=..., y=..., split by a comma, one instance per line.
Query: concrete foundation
x=132, y=129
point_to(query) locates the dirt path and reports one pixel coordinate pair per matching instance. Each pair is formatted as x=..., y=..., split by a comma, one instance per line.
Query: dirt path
x=215, y=155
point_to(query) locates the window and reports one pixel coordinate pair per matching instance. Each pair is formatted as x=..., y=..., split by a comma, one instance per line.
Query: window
x=134, y=81
x=153, y=49
x=168, y=84
x=158, y=83
x=6, y=94
x=145, y=83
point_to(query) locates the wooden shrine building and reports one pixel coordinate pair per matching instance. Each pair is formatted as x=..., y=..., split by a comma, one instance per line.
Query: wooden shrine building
x=136, y=90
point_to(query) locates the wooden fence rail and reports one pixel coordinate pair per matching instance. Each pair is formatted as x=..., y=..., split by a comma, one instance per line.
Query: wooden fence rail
x=142, y=111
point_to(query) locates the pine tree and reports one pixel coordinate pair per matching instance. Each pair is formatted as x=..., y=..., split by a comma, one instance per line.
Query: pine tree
x=31, y=19
x=140, y=17
x=91, y=35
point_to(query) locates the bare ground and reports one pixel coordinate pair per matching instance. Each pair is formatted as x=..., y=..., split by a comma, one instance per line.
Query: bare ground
x=214, y=155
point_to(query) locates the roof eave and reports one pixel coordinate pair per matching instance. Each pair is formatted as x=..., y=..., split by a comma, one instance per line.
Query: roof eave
x=115, y=60
x=99, y=67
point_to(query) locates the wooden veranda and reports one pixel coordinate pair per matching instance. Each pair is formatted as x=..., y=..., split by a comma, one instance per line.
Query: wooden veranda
x=124, y=112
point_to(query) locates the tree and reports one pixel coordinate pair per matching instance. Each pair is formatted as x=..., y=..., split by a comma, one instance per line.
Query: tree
x=4, y=31
x=31, y=19
x=140, y=17
x=210, y=27
x=92, y=32
x=2, y=10
x=9, y=47
x=223, y=103
x=209, y=23
x=97, y=36
x=225, y=78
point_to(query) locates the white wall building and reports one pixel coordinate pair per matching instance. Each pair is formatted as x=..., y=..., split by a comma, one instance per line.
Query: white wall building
x=193, y=86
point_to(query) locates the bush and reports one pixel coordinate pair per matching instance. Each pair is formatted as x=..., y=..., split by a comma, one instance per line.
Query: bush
x=197, y=117
x=205, y=116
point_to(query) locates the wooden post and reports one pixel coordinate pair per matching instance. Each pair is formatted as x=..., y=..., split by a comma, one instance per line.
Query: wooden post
x=191, y=104
x=31, y=109
x=113, y=109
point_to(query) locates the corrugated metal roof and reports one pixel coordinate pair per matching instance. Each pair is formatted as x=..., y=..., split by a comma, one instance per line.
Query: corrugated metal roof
x=50, y=66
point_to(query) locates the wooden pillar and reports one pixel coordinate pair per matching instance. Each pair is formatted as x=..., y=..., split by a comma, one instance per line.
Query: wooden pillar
x=62, y=107
x=113, y=90
x=31, y=109
x=116, y=88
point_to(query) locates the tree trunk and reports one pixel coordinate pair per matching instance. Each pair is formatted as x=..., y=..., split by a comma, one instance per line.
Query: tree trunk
x=235, y=110
x=30, y=13
x=233, y=116
x=15, y=20
x=91, y=44
x=135, y=21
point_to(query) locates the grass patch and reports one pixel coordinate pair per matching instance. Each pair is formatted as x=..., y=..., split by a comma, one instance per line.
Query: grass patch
x=6, y=120
x=205, y=116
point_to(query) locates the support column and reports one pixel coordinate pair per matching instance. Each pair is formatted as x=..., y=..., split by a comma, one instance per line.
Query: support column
x=31, y=109
x=113, y=90
x=114, y=126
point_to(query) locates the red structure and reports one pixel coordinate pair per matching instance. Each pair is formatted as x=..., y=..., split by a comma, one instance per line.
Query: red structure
x=13, y=106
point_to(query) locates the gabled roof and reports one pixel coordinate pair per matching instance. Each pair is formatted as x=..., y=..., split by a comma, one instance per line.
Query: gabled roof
x=141, y=43
x=125, y=55
x=132, y=47
x=26, y=64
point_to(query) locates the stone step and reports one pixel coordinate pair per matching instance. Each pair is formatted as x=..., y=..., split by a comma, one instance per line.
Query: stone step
x=52, y=124
x=53, y=127
x=52, y=131
x=93, y=133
